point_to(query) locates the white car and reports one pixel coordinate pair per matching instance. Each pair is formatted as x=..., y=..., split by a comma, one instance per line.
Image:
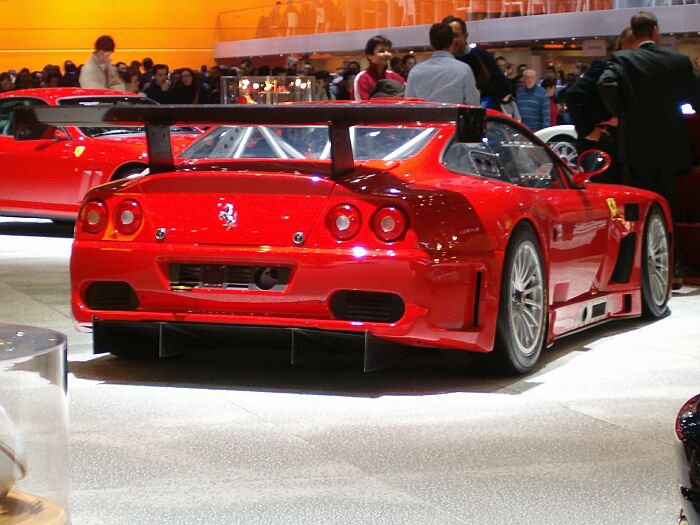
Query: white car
x=562, y=139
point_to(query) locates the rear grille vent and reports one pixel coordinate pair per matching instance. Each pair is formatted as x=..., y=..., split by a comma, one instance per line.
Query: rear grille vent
x=228, y=276
x=111, y=296
x=374, y=307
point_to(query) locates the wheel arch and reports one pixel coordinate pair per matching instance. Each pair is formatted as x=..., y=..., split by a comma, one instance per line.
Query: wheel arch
x=525, y=222
x=126, y=167
x=562, y=138
x=665, y=209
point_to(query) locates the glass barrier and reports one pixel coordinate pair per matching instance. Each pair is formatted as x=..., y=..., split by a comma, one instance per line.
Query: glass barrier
x=266, y=90
x=33, y=426
x=304, y=17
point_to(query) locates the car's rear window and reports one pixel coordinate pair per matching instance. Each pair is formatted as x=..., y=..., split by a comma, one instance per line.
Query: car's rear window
x=306, y=142
x=115, y=101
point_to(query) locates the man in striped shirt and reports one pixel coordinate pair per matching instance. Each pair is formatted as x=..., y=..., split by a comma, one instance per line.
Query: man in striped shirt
x=533, y=102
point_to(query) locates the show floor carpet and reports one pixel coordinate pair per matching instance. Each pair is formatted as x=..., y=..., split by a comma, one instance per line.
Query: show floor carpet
x=227, y=438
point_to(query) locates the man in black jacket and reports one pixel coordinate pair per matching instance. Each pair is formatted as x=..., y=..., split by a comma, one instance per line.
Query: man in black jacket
x=596, y=127
x=490, y=80
x=644, y=87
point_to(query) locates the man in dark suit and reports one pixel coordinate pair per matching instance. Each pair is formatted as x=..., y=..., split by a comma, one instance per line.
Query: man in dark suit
x=644, y=86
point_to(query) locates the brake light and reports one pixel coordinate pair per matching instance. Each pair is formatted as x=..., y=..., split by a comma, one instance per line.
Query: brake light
x=344, y=221
x=127, y=216
x=93, y=216
x=389, y=223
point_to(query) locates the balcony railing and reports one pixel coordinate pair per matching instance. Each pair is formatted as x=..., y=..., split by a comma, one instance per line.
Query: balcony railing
x=307, y=17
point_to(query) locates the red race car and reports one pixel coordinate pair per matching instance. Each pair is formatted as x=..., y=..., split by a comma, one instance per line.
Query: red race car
x=381, y=225
x=48, y=176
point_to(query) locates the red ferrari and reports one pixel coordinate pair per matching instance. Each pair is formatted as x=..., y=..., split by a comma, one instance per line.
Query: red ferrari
x=381, y=225
x=48, y=176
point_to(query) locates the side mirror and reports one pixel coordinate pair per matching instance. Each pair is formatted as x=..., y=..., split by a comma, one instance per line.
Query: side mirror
x=59, y=134
x=590, y=163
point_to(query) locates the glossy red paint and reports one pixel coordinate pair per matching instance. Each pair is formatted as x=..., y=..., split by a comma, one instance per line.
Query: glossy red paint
x=447, y=267
x=48, y=177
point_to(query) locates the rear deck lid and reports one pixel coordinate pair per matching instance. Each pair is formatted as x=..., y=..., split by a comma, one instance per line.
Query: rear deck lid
x=234, y=208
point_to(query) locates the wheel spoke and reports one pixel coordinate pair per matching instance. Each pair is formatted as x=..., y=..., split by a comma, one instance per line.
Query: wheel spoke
x=527, y=314
x=530, y=335
x=519, y=329
x=533, y=290
x=533, y=304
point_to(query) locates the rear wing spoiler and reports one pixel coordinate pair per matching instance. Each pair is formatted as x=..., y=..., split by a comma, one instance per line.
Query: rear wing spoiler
x=33, y=122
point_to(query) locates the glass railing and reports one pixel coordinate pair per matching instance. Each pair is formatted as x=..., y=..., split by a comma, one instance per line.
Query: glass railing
x=304, y=17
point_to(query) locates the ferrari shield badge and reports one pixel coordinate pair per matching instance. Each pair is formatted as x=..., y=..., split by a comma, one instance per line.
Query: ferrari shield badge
x=228, y=215
x=612, y=205
x=78, y=151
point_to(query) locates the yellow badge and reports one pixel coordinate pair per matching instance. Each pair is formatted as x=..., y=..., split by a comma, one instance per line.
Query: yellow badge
x=78, y=151
x=613, y=206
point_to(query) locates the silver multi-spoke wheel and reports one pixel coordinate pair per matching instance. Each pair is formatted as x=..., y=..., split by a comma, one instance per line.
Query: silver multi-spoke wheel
x=526, y=305
x=656, y=265
x=521, y=329
x=657, y=259
x=566, y=150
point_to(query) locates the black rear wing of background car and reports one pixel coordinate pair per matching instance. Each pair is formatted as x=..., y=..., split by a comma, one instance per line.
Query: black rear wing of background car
x=36, y=122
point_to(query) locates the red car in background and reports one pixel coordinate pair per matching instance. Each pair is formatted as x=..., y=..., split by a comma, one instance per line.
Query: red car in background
x=375, y=224
x=48, y=177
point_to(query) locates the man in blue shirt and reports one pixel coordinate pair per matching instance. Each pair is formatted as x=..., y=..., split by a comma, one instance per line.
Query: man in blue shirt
x=533, y=102
x=442, y=78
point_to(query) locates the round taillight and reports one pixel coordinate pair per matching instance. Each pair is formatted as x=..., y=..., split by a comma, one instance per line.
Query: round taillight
x=127, y=216
x=93, y=216
x=344, y=221
x=389, y=223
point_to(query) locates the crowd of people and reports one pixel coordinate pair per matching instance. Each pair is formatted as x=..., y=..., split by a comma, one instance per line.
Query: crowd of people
x=627, y=105
x=455, y=73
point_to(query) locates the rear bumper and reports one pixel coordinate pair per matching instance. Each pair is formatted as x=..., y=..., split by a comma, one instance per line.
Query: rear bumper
x=450, y=302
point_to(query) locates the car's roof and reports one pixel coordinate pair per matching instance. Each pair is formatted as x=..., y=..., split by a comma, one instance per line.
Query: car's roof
x=52, y=94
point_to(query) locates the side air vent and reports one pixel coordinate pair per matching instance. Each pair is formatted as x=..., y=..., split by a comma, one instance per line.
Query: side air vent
x=625, y=259
x=111, y=295
x=376, y=307
x=631, y=212
x=598, y=309
x=185, y=277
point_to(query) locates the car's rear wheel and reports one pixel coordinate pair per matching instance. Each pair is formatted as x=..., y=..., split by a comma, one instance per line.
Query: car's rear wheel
x=656, y=268
x=522, y=319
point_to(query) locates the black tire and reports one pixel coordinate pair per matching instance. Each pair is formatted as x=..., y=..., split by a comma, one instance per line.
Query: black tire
x=655, y=265
x=522, y=313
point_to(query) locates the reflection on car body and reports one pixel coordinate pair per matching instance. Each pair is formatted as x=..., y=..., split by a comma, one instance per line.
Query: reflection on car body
x=47, y=176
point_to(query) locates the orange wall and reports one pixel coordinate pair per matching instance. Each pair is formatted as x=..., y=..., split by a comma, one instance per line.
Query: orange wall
x=176, y=32
x=183, y=32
